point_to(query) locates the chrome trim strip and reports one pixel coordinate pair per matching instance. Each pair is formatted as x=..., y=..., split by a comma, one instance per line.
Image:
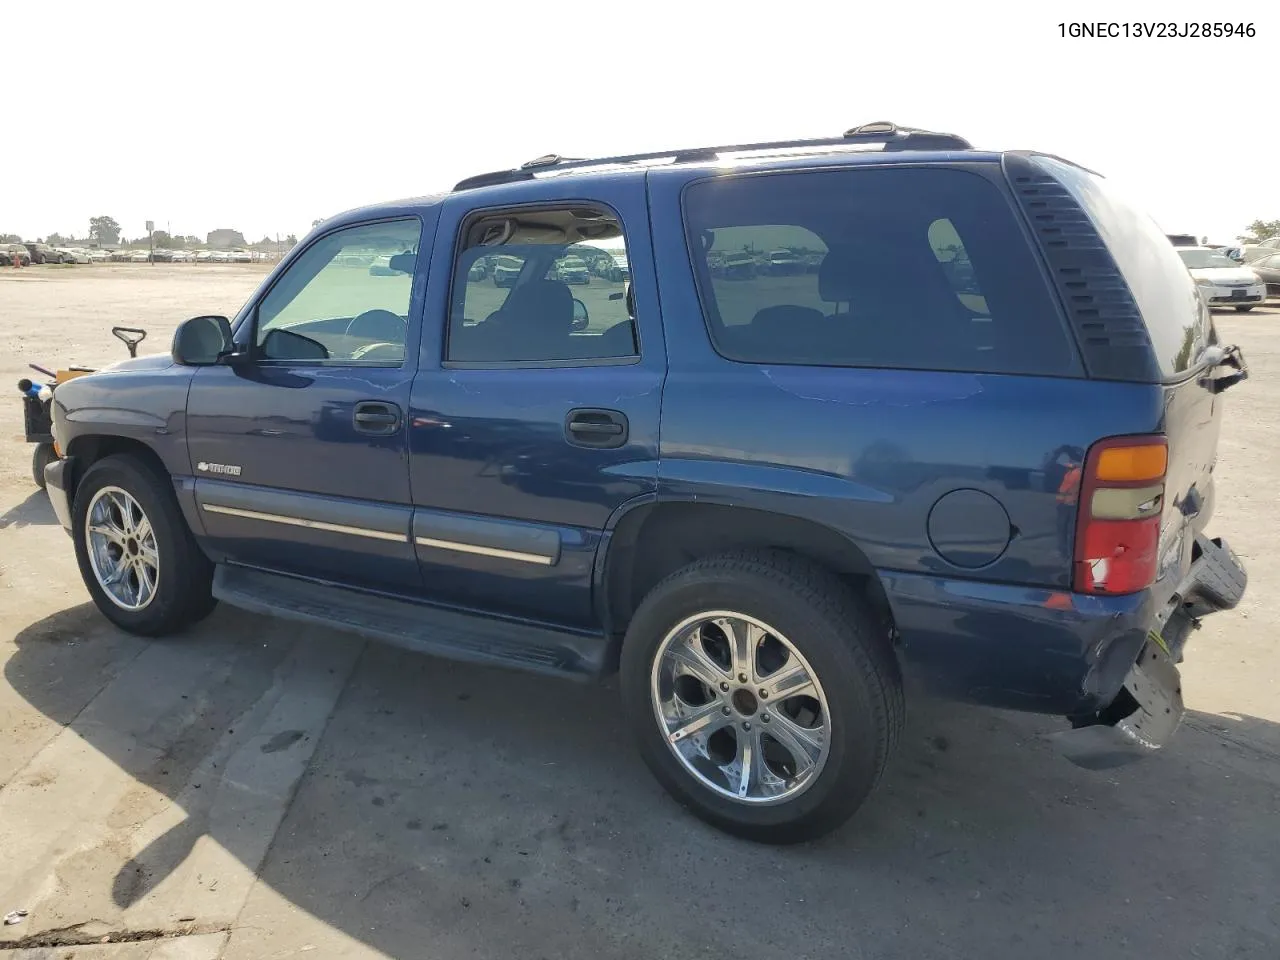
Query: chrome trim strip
x=309, y=524
x=484, y=551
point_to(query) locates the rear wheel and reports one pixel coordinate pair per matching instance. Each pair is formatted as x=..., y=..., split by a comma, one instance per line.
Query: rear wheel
x=1244, y=309
x=136, y=554
x=763, y=694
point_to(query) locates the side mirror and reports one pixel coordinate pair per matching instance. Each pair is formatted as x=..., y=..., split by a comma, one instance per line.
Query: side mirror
x=580, y=316
x=202, y=341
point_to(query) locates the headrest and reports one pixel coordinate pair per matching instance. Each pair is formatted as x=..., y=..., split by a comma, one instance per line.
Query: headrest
x=545, y=304
x=787, y=318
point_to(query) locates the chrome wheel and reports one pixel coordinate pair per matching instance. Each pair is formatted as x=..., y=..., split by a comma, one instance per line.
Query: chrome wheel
x=740, y=708
x=122, y=548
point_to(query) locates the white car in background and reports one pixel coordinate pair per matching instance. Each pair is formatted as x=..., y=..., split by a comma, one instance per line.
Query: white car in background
x=73, y=255
x=140, y=256
x=99, y=256
x=1222, y=281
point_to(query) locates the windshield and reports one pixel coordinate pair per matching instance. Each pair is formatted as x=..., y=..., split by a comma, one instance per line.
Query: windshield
x=1205, y=259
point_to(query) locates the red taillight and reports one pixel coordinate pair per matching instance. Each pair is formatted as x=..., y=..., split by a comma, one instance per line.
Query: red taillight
x=1121, y=501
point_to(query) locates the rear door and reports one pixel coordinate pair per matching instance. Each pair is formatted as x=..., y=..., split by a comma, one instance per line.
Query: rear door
x=534, y=415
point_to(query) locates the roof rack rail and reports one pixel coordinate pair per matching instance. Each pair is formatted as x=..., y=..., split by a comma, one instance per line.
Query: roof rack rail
x=890, y=134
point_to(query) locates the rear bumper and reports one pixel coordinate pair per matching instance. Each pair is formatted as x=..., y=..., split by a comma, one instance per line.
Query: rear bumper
x=1147, y=711
x=1048, y=651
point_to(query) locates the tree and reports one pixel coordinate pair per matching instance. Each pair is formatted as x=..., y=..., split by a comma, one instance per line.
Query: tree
x=162, y=239
x=316, y=223
x=57, y=240
x=10, y=238
x=104, y=230
x=291, y=240
x=1260, y=230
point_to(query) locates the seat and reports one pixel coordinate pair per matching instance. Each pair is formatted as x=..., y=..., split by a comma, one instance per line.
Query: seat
x=790, y=332
x=900, y=310
x=535, y=322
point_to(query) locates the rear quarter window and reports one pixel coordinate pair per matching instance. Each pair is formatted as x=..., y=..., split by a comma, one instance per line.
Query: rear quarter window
x=1176, y=317
x=904, y=267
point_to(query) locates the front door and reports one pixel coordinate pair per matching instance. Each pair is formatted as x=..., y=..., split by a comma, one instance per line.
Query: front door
x=300, y=452
x=534, y=416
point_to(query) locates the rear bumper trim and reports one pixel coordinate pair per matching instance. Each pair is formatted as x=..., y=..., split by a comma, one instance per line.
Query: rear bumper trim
x=1155, y=686
x=1216, y=581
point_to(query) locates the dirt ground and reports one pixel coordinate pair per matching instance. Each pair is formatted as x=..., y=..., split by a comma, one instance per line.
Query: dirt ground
x=260, y=790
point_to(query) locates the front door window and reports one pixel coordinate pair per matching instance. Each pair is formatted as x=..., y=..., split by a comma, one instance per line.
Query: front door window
x=345, y=300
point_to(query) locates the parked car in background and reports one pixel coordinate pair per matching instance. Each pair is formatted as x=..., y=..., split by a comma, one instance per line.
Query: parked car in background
x=181, y=256
x=1222, y=281
x=1250, y=252
x=738, y=266
x=14, y=253
x=1268, y=269
x=204, y=256
x=161, y=255
x=140, y=256
x=506, y=271
x=99, y=256
x=573, y=270
x=241, y=256
x=783, y=263
x=74, y=255
x=43, y=253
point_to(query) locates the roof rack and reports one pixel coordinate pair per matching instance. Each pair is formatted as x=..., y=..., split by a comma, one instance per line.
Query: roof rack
x=891, y=135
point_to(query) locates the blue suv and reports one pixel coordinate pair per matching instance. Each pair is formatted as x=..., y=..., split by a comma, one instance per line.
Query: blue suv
x=972, y=442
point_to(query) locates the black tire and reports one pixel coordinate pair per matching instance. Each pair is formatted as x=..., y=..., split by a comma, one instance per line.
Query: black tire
x=1244, y=309
x=41, y=457
x=847, y=647
x=183, y=592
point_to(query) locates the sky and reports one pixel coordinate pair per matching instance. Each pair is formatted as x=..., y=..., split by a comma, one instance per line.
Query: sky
x=265, y=116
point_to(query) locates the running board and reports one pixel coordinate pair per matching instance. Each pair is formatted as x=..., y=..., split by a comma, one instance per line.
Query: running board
x=419, y=627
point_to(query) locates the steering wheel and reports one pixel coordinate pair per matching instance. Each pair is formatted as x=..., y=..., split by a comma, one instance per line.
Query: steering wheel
x=381, y=325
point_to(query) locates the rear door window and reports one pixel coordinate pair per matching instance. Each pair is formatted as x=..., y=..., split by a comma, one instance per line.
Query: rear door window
x=907, y=267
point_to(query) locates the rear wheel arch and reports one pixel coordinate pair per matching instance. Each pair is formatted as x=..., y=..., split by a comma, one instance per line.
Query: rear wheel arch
x=652, y=540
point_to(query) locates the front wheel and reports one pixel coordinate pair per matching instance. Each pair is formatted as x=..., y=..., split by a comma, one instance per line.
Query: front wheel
x=763, y=694
x=1244, y=309
x=137, y=556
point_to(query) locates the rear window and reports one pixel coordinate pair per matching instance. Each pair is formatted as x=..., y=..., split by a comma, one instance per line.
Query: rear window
x=907, y=267
x=1177, y=318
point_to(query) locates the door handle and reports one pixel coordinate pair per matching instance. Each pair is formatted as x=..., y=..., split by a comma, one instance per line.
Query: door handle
x=589, y=427
x=375, y=417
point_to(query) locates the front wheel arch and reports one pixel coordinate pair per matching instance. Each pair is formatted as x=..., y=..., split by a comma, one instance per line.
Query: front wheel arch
x=84, y=451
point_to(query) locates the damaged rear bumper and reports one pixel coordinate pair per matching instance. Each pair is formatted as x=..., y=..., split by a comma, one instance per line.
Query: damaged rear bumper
x=1147, y=711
